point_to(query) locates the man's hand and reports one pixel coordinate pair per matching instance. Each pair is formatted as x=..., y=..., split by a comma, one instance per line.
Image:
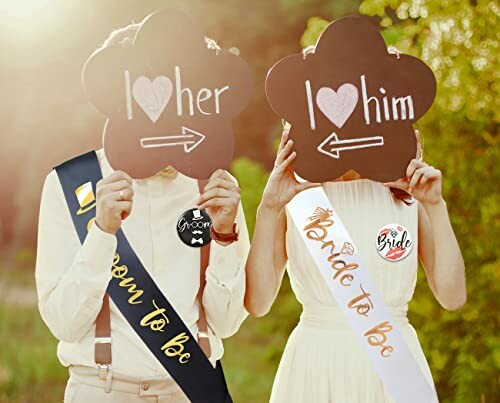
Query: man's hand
x=221, y=197
x=114, y=201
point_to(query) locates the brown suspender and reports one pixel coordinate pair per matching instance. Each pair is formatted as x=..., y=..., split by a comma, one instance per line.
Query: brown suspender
x=102, y=351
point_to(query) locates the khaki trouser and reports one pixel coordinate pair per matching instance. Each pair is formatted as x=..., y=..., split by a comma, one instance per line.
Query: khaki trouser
x=85, y=386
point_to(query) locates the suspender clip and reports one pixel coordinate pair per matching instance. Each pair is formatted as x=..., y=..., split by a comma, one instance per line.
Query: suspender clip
x=106, y=374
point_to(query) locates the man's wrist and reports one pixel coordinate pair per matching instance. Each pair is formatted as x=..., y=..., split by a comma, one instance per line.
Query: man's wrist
x=223, y=228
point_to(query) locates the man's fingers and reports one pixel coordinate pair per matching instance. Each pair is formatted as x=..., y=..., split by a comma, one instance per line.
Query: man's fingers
x=216, y=192
x=220, y=173
x=126, y=194
x=124, y=208
x=114, y=187
x=222, y=183
x=115, y=177
x=220, y=202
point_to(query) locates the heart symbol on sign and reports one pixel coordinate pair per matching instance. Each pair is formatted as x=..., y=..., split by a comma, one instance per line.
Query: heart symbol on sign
x=337, y=106
x=152, y=96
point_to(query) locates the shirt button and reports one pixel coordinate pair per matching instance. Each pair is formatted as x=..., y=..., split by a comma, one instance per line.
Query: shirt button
x=145, y=387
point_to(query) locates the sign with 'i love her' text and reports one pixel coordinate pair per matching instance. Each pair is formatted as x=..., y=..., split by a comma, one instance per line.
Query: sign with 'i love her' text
x=169, y=95
x=351, y=103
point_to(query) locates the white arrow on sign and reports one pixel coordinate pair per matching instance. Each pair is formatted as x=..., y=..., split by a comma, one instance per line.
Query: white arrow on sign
x=332, y=146
x=189, y=138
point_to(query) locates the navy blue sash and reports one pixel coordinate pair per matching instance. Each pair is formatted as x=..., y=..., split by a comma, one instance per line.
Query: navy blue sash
x=148, y=311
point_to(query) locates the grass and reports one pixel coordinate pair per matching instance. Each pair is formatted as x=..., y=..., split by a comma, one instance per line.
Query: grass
x=31, y=372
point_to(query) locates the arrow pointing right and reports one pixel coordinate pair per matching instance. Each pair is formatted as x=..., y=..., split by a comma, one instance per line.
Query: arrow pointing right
x=190, y=139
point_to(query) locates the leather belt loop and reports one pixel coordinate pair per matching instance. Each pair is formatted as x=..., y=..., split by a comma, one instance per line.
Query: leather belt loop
x=203, y=339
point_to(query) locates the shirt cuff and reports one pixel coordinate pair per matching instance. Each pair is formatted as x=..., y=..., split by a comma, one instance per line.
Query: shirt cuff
x=98, y=251
x=225, y=264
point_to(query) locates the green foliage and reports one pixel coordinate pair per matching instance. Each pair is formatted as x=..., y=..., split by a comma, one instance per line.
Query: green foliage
x=459, y=41
x=252, y=178
x=29, y=368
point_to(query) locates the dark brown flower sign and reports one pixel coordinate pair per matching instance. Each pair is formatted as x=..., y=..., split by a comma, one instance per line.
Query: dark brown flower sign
x=169, y=100
x=351, y=103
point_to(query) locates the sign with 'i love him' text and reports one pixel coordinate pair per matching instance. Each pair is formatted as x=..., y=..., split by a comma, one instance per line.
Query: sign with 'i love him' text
x=351, y=103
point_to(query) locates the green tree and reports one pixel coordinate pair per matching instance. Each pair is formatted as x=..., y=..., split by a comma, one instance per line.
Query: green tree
x=459, y=41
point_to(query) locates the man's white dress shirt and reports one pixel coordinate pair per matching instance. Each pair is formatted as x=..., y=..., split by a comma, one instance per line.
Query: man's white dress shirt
x=72, y=278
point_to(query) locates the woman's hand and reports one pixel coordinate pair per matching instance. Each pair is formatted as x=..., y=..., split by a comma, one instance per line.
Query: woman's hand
x=282, y=185
x=422, y=181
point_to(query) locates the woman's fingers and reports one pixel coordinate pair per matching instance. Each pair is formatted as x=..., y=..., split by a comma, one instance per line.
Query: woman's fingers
x=283, y=140
x=430, y=174
x=284, y=152
x=401, y=183
x=413, y=166
x=301, y=186
x=287, y=162
x=415, y=178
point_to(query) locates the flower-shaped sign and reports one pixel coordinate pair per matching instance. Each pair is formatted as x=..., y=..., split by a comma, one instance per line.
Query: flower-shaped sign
x=169, y=100
x=351, y=103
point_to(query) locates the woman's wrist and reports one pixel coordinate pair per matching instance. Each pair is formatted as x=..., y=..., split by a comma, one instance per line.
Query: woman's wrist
x=268, y=211
x=436, y=206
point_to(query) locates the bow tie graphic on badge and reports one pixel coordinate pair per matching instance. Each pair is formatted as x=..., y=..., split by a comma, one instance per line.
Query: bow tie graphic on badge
x=197, y=240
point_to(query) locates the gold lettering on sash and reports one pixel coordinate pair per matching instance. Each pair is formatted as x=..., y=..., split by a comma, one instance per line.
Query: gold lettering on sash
x=377, y=337
x=361, y=308
x=340, y=267
x=175, y=347
x=317, y=230
x=157, y=324
x=120, y=272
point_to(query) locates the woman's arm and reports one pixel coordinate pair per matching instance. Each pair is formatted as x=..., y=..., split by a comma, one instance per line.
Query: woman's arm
x=440, y=255
x=267, y=257
x=266, y=261
x=438, y=247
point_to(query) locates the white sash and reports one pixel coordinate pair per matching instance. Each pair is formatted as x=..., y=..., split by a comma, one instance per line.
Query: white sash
x=347, y=276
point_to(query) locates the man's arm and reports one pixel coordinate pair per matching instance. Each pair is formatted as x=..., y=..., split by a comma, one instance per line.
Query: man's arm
x=225, y=287
x=71, y=278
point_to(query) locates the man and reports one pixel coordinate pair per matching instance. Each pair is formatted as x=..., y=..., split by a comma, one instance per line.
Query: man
x=72, y=278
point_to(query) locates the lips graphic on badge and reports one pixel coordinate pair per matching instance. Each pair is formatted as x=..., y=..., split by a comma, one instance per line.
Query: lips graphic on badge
x=394, y=242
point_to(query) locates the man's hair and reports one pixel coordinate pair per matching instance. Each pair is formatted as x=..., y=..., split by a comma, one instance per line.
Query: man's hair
x=125, y=35
x=121, y=36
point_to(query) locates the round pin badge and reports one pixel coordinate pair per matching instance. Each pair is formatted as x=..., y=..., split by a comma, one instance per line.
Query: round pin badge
x=394, y=242
x=193, y=228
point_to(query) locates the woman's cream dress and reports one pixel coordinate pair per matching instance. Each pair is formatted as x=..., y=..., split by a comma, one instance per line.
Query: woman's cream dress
x=323, y=361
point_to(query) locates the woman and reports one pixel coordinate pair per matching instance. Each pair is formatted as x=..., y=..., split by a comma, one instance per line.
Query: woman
x=323, y=361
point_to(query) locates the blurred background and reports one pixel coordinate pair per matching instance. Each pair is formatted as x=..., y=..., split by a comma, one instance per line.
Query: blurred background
x=46, y=119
